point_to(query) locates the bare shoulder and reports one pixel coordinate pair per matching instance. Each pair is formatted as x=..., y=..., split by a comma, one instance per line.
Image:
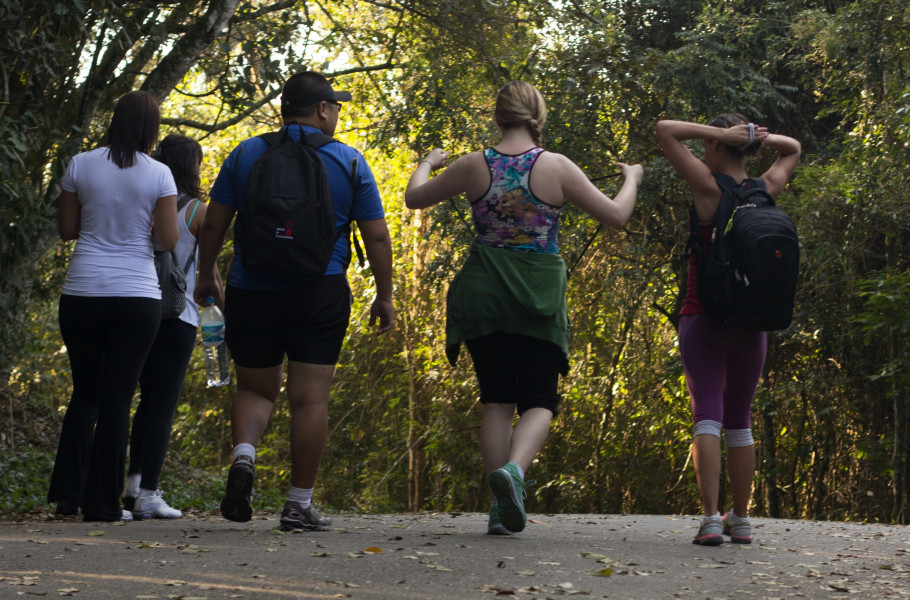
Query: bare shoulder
x=195, y=220
x=472, y=159
x=555, y=164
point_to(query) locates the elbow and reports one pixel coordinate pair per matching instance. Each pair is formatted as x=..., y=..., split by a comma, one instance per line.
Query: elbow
x=615, y=222
x=67, y=234
x=409, y=200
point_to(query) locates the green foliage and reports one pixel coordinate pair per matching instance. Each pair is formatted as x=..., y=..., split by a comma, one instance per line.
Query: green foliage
x=23, y=482
x=830, y=415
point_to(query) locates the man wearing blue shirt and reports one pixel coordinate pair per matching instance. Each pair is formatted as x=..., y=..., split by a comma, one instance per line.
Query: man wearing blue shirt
x=271, y=316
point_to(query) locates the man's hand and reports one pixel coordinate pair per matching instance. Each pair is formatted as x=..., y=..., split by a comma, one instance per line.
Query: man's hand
x=384, y=311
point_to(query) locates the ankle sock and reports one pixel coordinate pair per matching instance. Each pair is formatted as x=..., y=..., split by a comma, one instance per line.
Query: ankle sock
x=245, y=449
x=302, y=495
x=132, y=485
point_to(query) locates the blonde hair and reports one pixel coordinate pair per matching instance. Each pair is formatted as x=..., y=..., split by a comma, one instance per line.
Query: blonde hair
x=520, y=104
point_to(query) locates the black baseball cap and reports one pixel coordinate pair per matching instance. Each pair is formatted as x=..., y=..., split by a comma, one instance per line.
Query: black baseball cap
x=307, y=88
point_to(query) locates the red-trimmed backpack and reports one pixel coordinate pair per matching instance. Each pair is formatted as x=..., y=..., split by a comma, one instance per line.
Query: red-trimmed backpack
x=747, y=271
x=287, y=221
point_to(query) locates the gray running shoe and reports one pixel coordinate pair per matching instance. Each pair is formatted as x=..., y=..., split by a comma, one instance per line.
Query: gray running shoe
x=739, y=529
x=236, y=504
x=295, y=517
x=711, y=532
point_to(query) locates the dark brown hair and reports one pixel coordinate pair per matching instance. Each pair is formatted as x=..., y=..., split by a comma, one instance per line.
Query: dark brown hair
x=727, y=120
x=183, y=156
x=133, y=128
x=520, y=104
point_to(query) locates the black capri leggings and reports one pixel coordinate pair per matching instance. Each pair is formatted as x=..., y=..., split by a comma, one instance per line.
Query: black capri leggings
x=517, y=369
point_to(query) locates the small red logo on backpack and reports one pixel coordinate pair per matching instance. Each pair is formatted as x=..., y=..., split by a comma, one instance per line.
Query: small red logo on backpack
x=778, y=254
x=286, y=232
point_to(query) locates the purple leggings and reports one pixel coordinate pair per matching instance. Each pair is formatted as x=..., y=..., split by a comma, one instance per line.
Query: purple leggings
x=722, y=366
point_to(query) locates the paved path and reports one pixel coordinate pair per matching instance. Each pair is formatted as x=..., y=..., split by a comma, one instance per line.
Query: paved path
x=445, y=556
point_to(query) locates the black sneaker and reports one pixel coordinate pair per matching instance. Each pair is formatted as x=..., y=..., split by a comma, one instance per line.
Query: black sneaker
x=235, y=505
x=295, y=517
x=67, y=509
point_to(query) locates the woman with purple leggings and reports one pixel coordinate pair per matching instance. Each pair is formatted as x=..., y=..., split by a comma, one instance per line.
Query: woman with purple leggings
x=722, y=364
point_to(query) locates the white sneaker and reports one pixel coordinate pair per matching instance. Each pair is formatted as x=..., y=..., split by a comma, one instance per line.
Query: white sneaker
x=151, y=505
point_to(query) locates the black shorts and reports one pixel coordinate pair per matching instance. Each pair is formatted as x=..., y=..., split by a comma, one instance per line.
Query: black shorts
x=307, y=323
x=517, y=369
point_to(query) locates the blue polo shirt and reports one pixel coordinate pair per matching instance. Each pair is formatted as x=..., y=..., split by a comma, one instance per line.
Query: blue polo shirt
x=230, y=186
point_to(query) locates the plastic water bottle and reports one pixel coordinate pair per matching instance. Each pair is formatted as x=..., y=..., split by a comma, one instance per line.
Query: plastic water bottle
x=217, y=362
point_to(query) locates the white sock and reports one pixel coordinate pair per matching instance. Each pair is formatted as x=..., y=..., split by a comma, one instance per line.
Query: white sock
x=715, y=515
x=302, y=495
x=132, y=485
x=245, y=449
x=736, y=517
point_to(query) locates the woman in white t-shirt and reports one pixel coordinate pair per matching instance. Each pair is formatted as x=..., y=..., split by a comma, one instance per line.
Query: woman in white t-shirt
x=115, y=199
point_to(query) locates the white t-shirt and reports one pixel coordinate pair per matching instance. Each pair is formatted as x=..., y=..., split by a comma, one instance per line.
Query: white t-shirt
x=113, y=255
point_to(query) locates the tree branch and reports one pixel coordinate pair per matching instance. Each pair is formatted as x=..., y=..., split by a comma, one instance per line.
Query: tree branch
x=220, y=126
x=212, y=128
x=188, y=48
x=585, y=13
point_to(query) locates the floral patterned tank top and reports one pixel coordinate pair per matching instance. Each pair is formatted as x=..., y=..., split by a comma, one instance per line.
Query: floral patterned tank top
x=509, y=216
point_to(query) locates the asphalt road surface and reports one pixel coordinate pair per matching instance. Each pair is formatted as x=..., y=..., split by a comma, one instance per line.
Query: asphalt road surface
x=443, y=556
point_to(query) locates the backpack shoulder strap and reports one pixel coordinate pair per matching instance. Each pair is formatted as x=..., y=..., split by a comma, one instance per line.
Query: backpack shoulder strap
x=182, y=200
x=755, y=189
x=357, y=248
x=724, y=181
x=728, y=200
x=273, y=137
x=318, y=139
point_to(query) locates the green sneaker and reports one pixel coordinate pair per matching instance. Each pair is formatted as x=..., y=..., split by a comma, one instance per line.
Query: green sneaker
x=495, y=526
x=509, y=489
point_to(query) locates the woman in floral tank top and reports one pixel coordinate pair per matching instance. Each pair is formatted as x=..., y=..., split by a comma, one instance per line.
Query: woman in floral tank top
x=507, y=303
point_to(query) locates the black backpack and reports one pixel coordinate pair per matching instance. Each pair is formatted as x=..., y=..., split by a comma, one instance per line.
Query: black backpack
x=747, y=273
x=287, y=222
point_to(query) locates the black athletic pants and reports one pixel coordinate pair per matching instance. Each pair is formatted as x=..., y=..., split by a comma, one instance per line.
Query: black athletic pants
x=160, y=385
x=107, y=340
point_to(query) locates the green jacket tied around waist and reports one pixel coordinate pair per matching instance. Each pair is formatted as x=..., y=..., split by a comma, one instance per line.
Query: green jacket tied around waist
x=501, y=290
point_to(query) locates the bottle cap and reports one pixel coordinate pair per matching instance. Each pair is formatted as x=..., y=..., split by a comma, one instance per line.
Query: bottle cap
x=210, y=300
